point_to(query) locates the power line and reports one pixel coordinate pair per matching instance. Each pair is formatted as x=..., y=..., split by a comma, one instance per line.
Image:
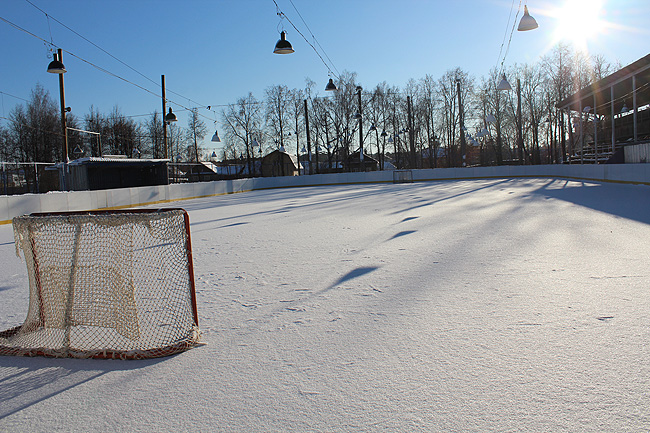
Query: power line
x=314, y=37
x=104, y=51
x=13, y=96
x=283, y=16
x=505, y=34
x=51, y=44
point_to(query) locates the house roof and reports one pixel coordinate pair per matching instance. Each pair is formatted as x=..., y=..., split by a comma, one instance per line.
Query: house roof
x=293, y=158
x=619, y=85
x=116, y=160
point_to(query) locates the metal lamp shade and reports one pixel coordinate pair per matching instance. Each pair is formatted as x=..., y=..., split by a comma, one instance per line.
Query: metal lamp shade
x=527, y=22
x=504, y=85
x=56, y=67
x=283, y=46
x=330, y=86
x=170, y=117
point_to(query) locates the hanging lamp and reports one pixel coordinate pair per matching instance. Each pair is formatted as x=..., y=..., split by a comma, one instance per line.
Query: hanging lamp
x=283, y=46
x=330, y=86
x=527, y=22
x=215, y=137
x=503, y=84
x=170, y=117
x=56, y=67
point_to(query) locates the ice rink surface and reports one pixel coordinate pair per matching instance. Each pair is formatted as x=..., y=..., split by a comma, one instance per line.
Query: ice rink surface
x=478, y=305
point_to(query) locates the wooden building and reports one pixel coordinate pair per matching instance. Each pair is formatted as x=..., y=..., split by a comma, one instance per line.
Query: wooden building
x=611, y=117
x=279, y=163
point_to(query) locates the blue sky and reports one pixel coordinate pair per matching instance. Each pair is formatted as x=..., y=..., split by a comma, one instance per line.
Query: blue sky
x=213, y=52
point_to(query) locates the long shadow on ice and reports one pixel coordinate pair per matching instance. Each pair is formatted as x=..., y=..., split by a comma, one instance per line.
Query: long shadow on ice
x=26, y=381
x=625, y=201
x=355, y=273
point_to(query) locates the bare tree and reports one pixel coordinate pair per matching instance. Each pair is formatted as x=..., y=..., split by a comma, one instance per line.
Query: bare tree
x=35, y=129
x=278, y=106
x=196, y=131
x=242, y=124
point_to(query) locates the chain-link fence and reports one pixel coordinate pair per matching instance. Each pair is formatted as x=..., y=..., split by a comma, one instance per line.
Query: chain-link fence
x=27, y=177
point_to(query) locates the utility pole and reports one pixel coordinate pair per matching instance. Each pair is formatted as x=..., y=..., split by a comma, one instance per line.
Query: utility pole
x=362, y=165
x=162, y=117
x=409, y=110
x=64, y=124
x=520, y=134
x=462, y=124
x=308, y=139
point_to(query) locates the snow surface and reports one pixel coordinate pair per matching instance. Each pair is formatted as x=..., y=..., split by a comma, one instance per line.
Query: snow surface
x=478, y=305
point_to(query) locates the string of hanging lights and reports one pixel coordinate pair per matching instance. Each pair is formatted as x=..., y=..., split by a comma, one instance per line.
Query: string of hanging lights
x=283, y=46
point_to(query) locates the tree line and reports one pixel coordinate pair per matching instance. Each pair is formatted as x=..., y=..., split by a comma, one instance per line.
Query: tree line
x=452, y=120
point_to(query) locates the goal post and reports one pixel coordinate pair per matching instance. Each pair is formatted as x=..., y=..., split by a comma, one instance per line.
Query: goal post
x=106, y=284
x=402, y=176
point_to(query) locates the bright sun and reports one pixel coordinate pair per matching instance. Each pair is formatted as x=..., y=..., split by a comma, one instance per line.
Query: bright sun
x=579, y=22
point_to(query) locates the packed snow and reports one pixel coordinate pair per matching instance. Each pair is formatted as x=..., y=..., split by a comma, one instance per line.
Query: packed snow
x=473, y=305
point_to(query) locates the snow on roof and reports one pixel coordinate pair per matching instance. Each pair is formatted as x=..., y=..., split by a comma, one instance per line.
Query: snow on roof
x=114, y=159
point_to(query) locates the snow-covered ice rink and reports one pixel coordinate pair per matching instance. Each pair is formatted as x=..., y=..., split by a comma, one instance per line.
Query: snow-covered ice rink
x=477, y=305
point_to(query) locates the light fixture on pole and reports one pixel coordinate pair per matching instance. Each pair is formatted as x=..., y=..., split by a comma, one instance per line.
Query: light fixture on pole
x=527, y=22
x=283, y=46
x=56, y=67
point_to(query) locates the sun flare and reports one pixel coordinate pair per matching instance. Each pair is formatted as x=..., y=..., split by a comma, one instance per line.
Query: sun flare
x=579, y=22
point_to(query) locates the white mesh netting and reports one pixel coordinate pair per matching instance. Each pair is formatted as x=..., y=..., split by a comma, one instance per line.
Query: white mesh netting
x=115, y=284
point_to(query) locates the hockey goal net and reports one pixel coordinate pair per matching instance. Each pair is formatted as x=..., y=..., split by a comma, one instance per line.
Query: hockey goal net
x=403, y=176
x=106, y=284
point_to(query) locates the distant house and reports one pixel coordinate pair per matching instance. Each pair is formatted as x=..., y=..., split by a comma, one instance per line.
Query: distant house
x=355, y=163
x=279, y=163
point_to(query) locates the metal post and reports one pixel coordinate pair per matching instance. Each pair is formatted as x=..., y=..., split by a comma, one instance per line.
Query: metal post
x=636, y=109
x=595, y=132
x=611, y=97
